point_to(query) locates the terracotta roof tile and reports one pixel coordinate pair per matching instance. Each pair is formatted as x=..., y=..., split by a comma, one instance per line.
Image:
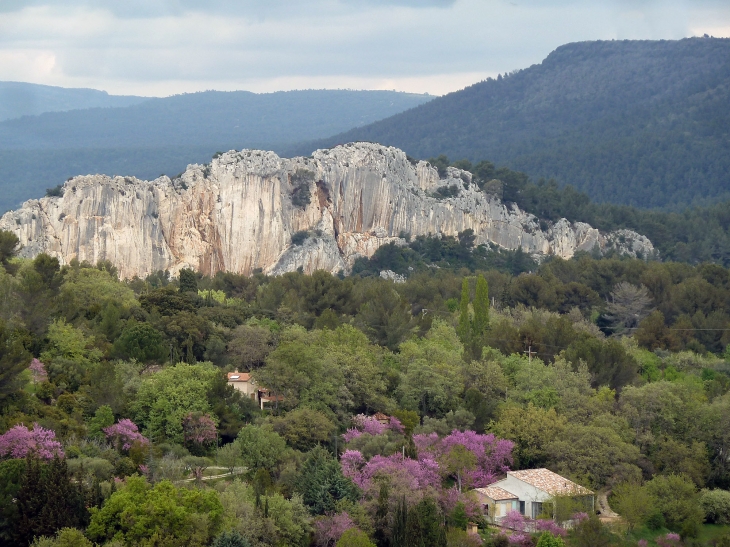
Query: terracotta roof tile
x=496, y=493
x=239, y=376
x=549, y=482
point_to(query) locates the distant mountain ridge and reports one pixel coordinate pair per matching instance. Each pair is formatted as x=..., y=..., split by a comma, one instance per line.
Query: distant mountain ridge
x=164, y=135
x=643, y=123
x=18, y=99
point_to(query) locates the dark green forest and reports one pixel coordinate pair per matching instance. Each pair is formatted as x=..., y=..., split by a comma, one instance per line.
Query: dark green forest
x=387, y=402
x=642, y=123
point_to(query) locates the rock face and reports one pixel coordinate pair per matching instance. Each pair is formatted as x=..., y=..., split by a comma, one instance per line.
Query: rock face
x=241, y=212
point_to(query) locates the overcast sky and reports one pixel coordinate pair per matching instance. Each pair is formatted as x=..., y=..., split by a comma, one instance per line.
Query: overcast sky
x=149, y=47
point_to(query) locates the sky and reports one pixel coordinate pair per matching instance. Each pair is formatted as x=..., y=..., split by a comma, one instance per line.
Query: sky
x=165, y=47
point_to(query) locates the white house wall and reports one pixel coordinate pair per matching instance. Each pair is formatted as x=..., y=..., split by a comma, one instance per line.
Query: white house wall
x=525, y=492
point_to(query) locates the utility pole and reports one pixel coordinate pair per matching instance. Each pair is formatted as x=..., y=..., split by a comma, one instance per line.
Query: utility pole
x=529, y=353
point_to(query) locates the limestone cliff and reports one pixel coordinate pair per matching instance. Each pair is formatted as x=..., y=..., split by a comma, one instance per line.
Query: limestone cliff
x=239, y=213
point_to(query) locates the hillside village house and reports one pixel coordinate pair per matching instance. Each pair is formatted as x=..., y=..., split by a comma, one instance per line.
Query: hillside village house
x=526, y=491
x=243, y=382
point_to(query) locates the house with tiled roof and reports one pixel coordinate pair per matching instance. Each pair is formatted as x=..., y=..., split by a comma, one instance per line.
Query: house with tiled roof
x=527, y=491
x=244, y=382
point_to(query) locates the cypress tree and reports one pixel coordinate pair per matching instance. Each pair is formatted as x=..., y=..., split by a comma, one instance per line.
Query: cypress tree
x=481, y=307
x=464, y=322
x=188, y=281
x=64, y=506
x=400, y=519
x=381, y=517
x=414, y=529
x=30, y=501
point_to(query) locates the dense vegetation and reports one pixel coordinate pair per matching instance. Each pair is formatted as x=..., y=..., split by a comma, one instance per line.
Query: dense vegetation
x=117, y=425
x=165, y=135
x=641, y=123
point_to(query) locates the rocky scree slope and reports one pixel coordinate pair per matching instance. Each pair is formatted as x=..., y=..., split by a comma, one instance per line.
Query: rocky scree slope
x=239, y=213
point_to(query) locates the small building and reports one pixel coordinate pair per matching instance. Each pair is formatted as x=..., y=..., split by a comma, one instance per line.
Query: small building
x=526, y=491
x=382, y=418
x=244, y=382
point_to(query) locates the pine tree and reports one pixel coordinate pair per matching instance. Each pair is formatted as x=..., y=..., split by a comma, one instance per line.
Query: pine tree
x=188, y=281
x=64, y=507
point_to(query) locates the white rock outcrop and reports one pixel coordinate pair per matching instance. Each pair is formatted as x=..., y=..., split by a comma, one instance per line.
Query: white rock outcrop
x=239, y=213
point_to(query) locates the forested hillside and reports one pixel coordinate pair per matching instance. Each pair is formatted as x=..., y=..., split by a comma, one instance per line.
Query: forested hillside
x=118, y=427
x=642, y=123
x=19, y=99
x=165, y=135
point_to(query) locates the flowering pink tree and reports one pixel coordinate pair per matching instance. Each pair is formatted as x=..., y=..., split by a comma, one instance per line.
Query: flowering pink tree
x=329, y=529
x=491, y=456
x=20, y=441
x=38, y=369
x=372, y=426
x=199, y=429
x=124, y=434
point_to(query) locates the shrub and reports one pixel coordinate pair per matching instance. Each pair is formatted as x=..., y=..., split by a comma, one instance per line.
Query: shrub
x=716, y=505
x=55, y=192
x=299, y=237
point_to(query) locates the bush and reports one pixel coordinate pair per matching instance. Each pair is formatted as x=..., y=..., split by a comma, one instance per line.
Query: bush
x=55, y=192
x=716, y=505
x=299, y=237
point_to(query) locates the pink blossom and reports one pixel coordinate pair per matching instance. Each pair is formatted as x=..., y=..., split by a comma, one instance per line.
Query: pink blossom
x=329, y=529
x=492, y=454
x=545, y=525
x=199, y=429
x=39, y=371
x=580, y=516
x=144, y=469
x=514, y=521
x=451, y=497
x=396, y=425
x=20, y=441
x=519, y=539
x=124, y=433
x=351, y=434
x=643, y=543
x=420, y=474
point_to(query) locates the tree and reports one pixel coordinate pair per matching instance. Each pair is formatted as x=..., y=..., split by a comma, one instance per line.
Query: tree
x=633, y=502
x=165, y=397
x=481, y=309
x=141, y=342
x=103, y=418
x=457, y=462
x=304, y=428
x=199, y=432
x=124, y=434
x=188, y=281
x=145, y=515
x=19, y=442
x=322, y=483
x=590, y=532
x=628, y=306
x=229, y=456
x=66, y=537
x=9, y=246
x=716, y=505
x=260, y=448
x=464, y=328
x=13, y=360
x=354, y=538
x=677, y=499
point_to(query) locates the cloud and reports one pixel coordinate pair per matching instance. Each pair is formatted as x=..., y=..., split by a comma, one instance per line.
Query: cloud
x=172, y=46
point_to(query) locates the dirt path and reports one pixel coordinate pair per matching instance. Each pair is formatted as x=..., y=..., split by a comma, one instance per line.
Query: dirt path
x=605, y=509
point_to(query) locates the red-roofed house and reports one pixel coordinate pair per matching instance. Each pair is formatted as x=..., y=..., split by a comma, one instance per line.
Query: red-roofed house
x=244, y=382
x=526, y=491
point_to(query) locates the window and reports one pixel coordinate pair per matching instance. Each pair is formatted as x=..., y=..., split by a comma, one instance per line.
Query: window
x=522, y=508
x=536, y=509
